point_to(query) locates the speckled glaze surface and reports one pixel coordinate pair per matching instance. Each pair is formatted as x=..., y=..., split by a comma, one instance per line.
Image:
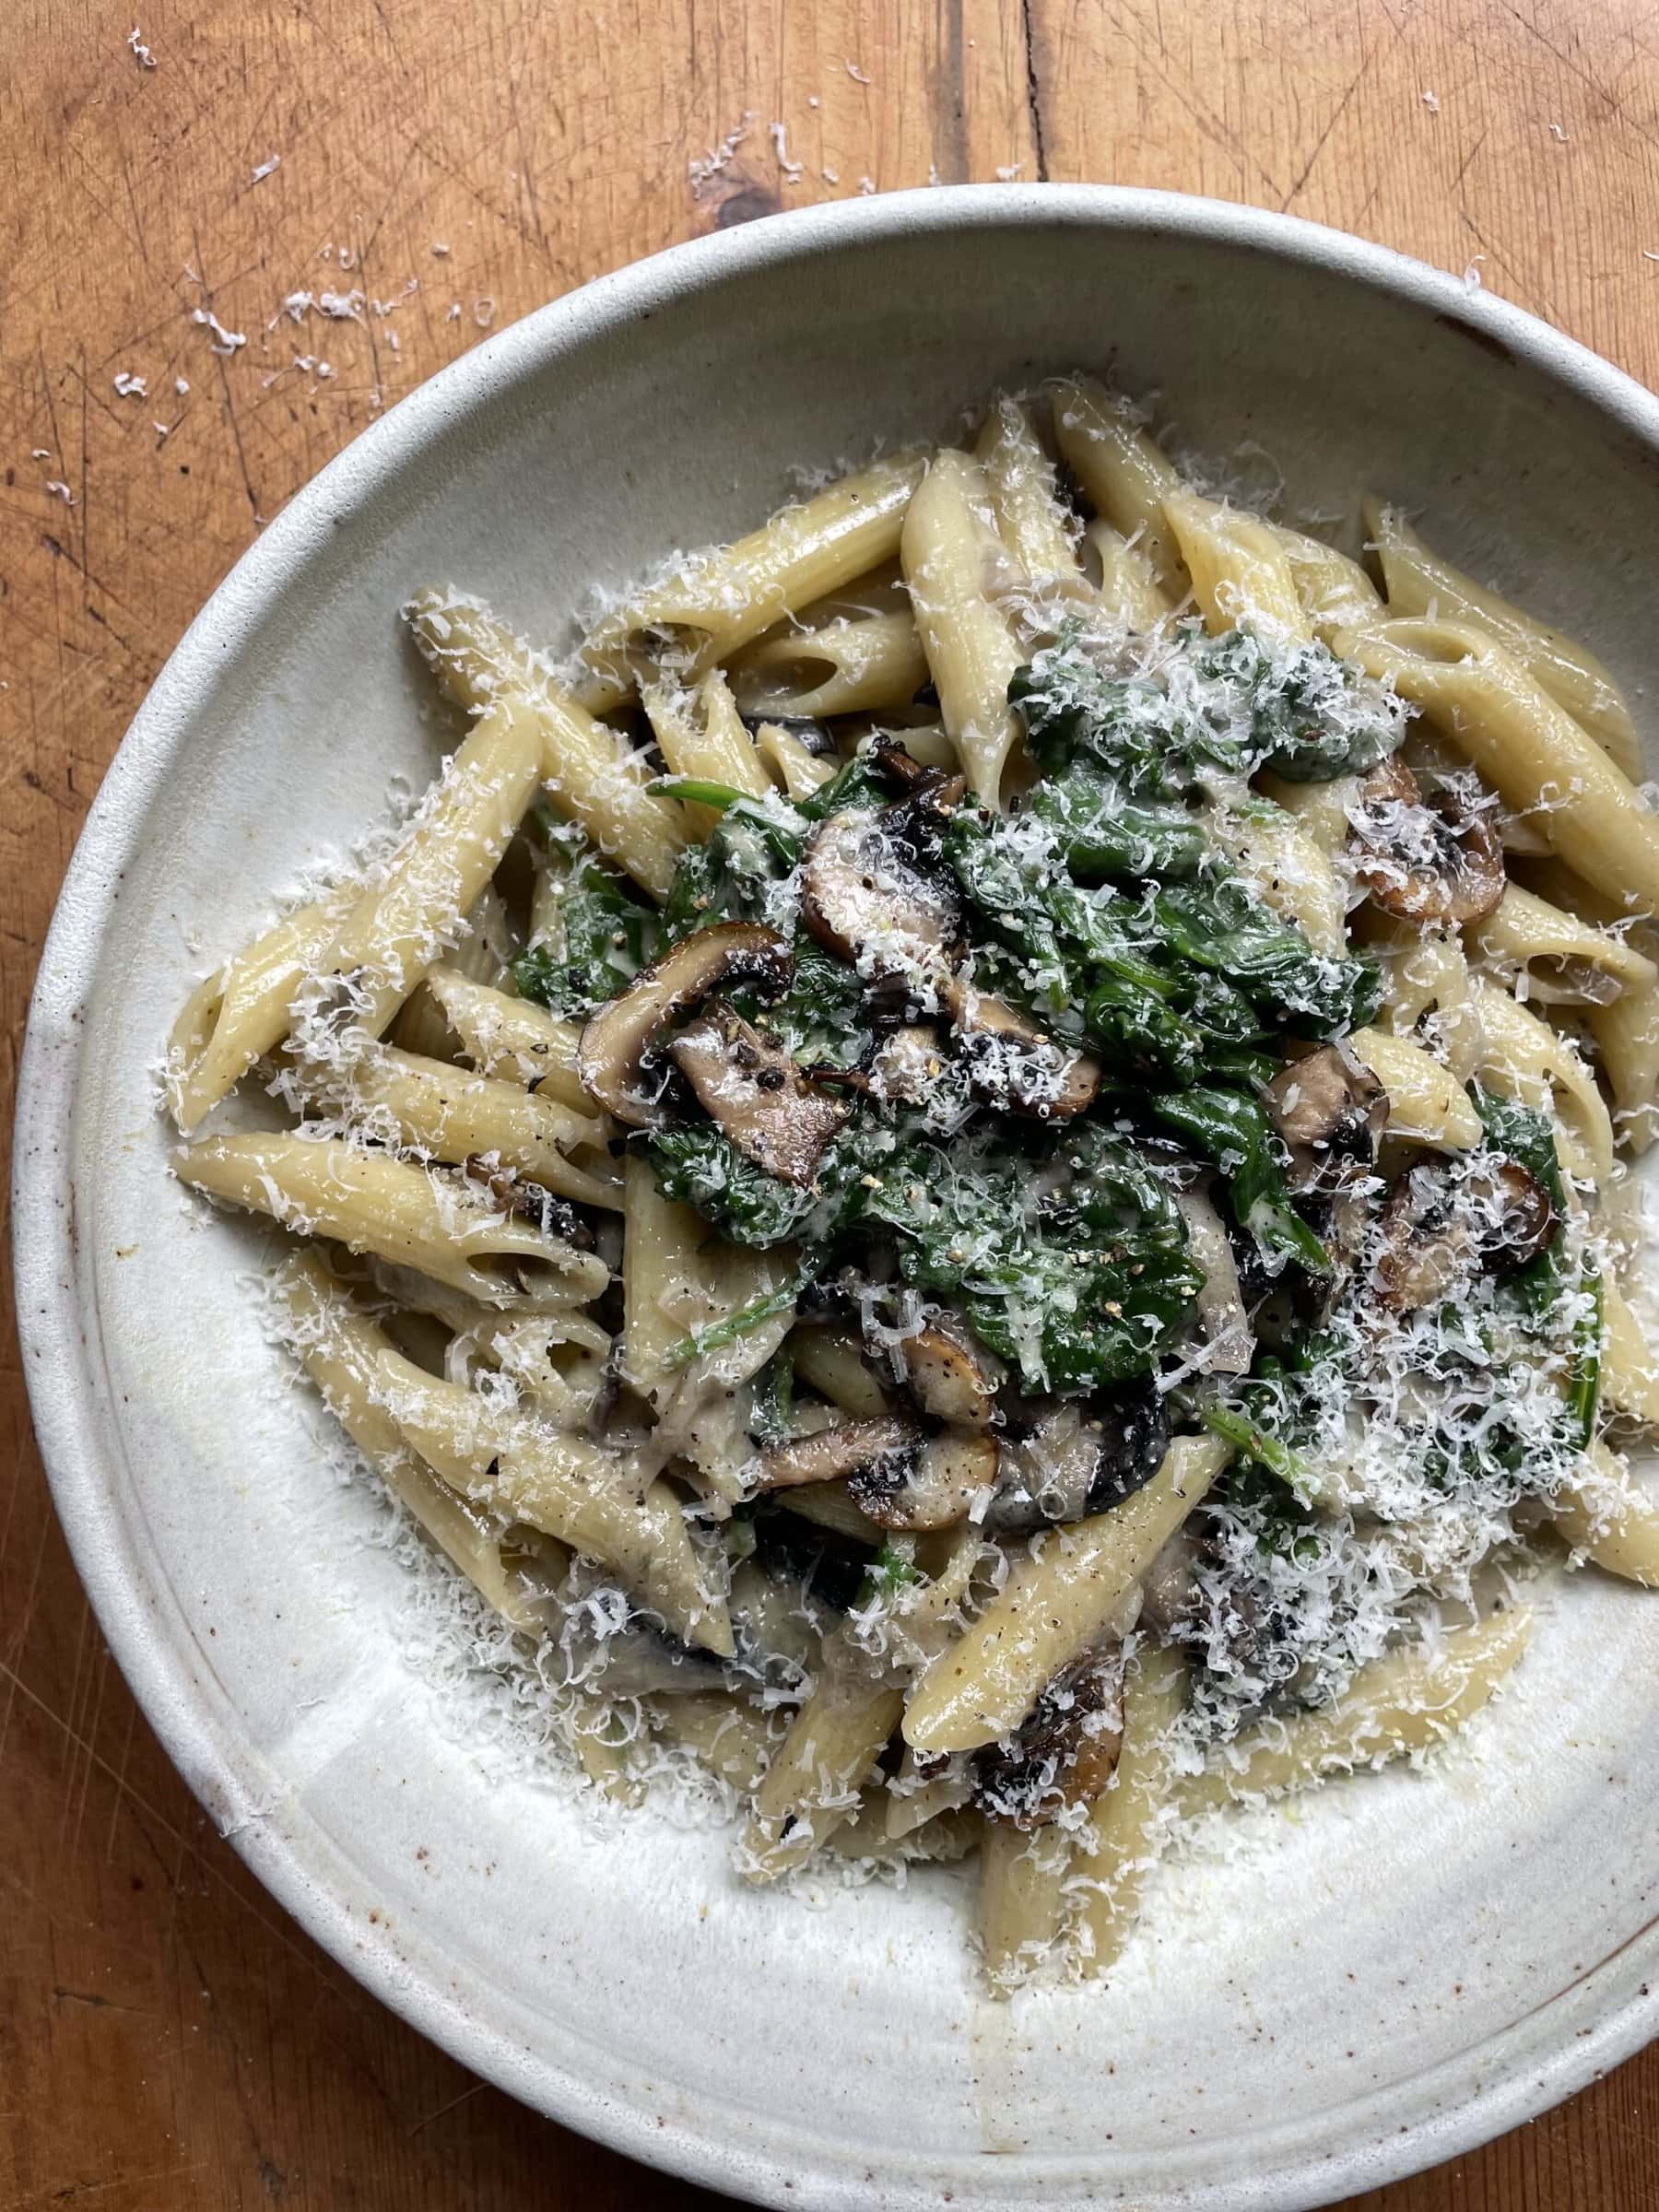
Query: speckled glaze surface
x=1409, y=1966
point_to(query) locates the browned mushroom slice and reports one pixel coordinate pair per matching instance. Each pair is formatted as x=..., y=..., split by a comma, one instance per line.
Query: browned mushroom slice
x=1443, y=1223
x=1014, y=1064
x=860, y=892
x=951, y=1378
x=615, y=1051
x=757, y=1093
x=1064, y=1753
x=934, y=1488
x=1331, y=1112
x=1425, y=860
x=828, y=1454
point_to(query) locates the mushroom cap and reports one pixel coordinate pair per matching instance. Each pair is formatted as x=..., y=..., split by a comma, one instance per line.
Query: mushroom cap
x=863, y=895
x=1014, y=1064
x=615, y=1049
x=1432, y=859
x=935, y=1488
x=756, y=1092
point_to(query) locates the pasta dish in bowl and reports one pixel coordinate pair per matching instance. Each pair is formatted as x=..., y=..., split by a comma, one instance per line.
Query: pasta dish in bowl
x=964, y=1171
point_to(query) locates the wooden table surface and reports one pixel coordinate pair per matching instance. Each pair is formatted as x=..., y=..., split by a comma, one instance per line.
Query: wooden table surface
x=348, y=193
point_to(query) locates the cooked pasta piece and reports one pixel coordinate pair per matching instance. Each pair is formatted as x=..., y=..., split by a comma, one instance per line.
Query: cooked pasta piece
x=242, y=1011
x=1421, y=583
x=1427, y=1104
x=526, y=1471
x=1629, y=1370
x=858, y=666
x=1054, y=1603
x=1426, y=988
x=340, y=1348
x=1566, y=962
x=1240, y=571
x=701, y=734
x=715, y=601
x=949, y=553
x=1128, y=590
x=510, y=1040
x=1025, y=504
x=1288, y=864
x=369, y=1202
x=1021, y=1901
x=1611, y=1518
x=1124, y=473
x=588, y=770
x=1128, y=1821
x=799, y=770
x=1409, y=1700
x=1525, y=1058
x=813, y=1783
x=1527, y=747
x=1335, y=591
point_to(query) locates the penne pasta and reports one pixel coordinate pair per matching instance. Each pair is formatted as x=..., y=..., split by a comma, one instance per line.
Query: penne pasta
x=587, y=770
x=799, y=770
x=1336, y=592
x=862, y=665
x=1288, y=864
x=240, y=1012
x=1238, y=565
x=1025, y=502
x=950, y=556
x=700, y=734
x=1525, y=1058
x=715, y=601
x=1611, y=1518
x=510, y=1040
x=1128, y=1821
x=813, y=1783
x=1629, y=1369
x=1420, y=583
x=1021, y=1900
x=1052, y=1605
x=1577, y=964
x=1409, y=1700
x=1128, y=590
x=1126, y=476
x=1527, y=747
x=1427, y=1104
x=371, y=1202
x=525, y=1471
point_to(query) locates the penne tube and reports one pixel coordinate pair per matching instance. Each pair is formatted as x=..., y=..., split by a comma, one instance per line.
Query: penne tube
x=701, y=734
x=588, y=770
x=715, y=601
x=1126, y=1826
x=1426, y=981
x=1578, y=957
x=813, y=1783
x=1287, y=866
x=401, y=924
x=240, y=1012
x=1427, y=1104
x=731, y=1738
x=1526, y=746
x=339, y=1349
x=1126, y=476
x=1025, y=502
x=799, y=770
x=1335, y=592
x=1409, y=1700
x=859, y=666
x=1629, y=1370
x=1611, y=1518
x=950, y=557
x=831, y=1360
x=1128, y=590
x=1066, y=1592
x=1321, y=810
x=1021, y=1901
x=511, y=1040
x=1627, y=1042
x=528, y=1472
x=369, y=1202
x=1240, y=571
x=1525, y=1058
x=1420, y=583
x=828, y=1505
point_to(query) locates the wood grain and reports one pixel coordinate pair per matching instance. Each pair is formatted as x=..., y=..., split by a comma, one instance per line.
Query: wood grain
x=167, y=2040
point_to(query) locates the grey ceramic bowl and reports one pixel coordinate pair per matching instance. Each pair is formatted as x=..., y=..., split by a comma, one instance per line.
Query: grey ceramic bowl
x=1415, y=1962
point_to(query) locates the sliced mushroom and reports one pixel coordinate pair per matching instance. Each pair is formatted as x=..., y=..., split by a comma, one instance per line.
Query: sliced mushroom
x=950, y=1378
x=1331, y=1112
x=1014, y=1064
x=828, y=1454
x=614, y=1055
x=1079, y=1460
x=1434, y=859
x=934, y=1488
x=862, y=893
x=1440, y=1225
x=756, y=1092
x=1064, y=1753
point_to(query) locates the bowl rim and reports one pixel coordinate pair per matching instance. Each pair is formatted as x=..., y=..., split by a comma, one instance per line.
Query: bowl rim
x=1448, y=2109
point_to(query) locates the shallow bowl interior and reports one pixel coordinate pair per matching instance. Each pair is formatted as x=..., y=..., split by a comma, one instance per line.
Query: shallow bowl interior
x=1415, y=1960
